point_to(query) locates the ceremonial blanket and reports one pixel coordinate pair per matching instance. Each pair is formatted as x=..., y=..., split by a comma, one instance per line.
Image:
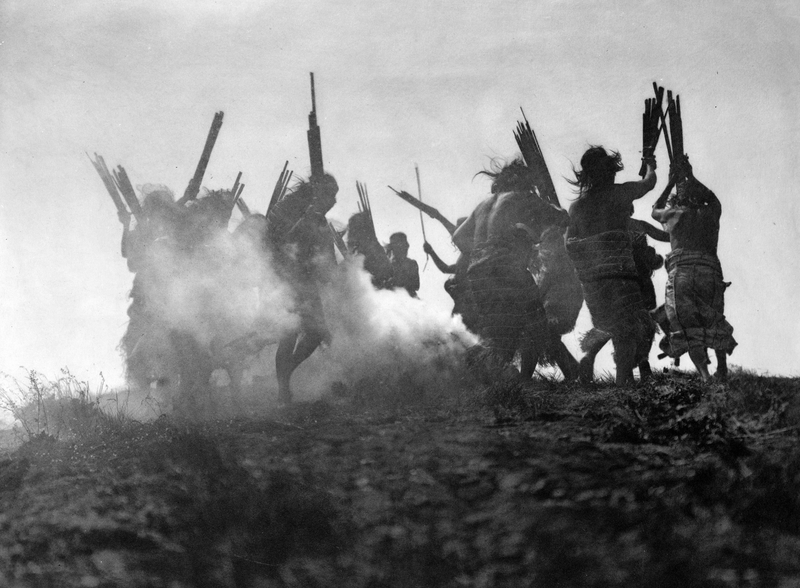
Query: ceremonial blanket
x=695, y=303
x=506, y=299
x=610, y=282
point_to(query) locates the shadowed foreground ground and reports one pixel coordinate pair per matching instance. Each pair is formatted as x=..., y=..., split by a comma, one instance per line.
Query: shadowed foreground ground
x=669, y=484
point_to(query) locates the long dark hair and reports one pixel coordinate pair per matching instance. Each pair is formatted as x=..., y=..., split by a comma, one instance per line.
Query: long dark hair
x=510, y=176
x=598, y=168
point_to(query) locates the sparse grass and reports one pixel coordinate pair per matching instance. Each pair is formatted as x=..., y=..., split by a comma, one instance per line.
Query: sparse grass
x=671, y=482
x=66, y=407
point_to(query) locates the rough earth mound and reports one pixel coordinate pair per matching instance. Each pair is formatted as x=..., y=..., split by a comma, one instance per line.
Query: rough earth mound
x=672, y=483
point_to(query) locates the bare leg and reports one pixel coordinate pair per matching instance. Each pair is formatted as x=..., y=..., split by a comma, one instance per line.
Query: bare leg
x=645, y=372
x=722, y=366
x=586, y=366
x=292, y=351
x=625, y=360
x=564, y=360
x=528, y=363
x=699, y=358
x=642, y=354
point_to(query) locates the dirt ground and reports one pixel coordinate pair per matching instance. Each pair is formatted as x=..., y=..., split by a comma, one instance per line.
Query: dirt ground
x=672, y=483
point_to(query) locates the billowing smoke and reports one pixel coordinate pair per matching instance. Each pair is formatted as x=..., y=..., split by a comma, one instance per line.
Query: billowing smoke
x=384, y=338
x=206, y=299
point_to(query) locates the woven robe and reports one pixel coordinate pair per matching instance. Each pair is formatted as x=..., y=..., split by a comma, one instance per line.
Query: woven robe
x=695, y=303
x=611, y=286
x=506, y=299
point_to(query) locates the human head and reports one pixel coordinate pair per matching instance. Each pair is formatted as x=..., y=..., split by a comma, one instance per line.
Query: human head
x=212, y=210
x=398, y=245
x=321, y=193
x=511, y=176
x=598, y=168
x=325, y=190
x=360, y=230
x=690, y=193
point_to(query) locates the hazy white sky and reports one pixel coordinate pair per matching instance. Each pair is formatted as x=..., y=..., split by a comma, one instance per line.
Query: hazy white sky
x=438, y=84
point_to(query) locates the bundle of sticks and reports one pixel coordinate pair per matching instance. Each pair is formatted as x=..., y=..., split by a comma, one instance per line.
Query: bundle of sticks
x=364, y=205
x=671, y=123
x=338, y=240
x=651, y=131
x=194, y=184
x=117, y=182
x=236, y=196
x=427, y=209
x=675, y=125
x=279, y=191
x=534, y=159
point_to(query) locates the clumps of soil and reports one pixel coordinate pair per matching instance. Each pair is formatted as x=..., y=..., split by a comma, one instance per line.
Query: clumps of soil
x=150, y=505
x=669, y=483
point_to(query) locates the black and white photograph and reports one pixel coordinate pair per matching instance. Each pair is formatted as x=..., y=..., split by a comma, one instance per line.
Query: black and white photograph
x=419, y=294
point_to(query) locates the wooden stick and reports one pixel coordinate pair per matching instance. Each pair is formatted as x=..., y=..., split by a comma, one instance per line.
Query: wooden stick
x=534, y=159
x=427, y=209
x=285, y=187
x=314, y=138
x=235, y=189
x=238, y=194
x=245, y=210
x=659, y=97
x=337, y=239
x=276, y=191
x=126, y=188
x=194, y=184
x=419, y=194
x=111, y=187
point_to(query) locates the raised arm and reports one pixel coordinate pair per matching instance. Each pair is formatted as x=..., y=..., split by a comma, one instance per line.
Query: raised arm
x=637, y=189
x=641, y=226
x=437, y=261
x=660, y=206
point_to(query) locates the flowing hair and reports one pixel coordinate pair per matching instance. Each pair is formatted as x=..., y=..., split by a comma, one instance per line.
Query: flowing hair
x=598, y=168
x=510, y=176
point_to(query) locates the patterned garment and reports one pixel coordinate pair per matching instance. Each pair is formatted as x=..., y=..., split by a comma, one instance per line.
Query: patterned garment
x=611, y=286
x=506, y=299
x=695, y=303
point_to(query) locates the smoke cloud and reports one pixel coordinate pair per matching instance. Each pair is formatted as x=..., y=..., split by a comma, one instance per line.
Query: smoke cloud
x=385, y=338
x=195, y=279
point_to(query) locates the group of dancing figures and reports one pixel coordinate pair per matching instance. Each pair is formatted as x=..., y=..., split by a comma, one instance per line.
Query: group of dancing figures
x=525, y=268
x=192, y=307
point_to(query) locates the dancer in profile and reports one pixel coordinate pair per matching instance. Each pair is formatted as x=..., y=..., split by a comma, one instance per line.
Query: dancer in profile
x=695, y=298
x=303, y=253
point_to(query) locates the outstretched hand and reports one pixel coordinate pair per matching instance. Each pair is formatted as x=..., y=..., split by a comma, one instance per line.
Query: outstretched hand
x=124, y=217
x=426, y=247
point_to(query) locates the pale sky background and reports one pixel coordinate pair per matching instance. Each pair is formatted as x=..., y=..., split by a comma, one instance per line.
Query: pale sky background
x=434, y=83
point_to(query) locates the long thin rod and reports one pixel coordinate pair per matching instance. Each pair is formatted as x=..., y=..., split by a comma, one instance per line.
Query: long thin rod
x=419, y=194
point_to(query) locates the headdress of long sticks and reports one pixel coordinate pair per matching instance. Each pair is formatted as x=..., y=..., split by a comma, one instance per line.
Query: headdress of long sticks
x=364, y=205
x=114, y=188
x=279, y=191
x=534, y=159
x=338, y=240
